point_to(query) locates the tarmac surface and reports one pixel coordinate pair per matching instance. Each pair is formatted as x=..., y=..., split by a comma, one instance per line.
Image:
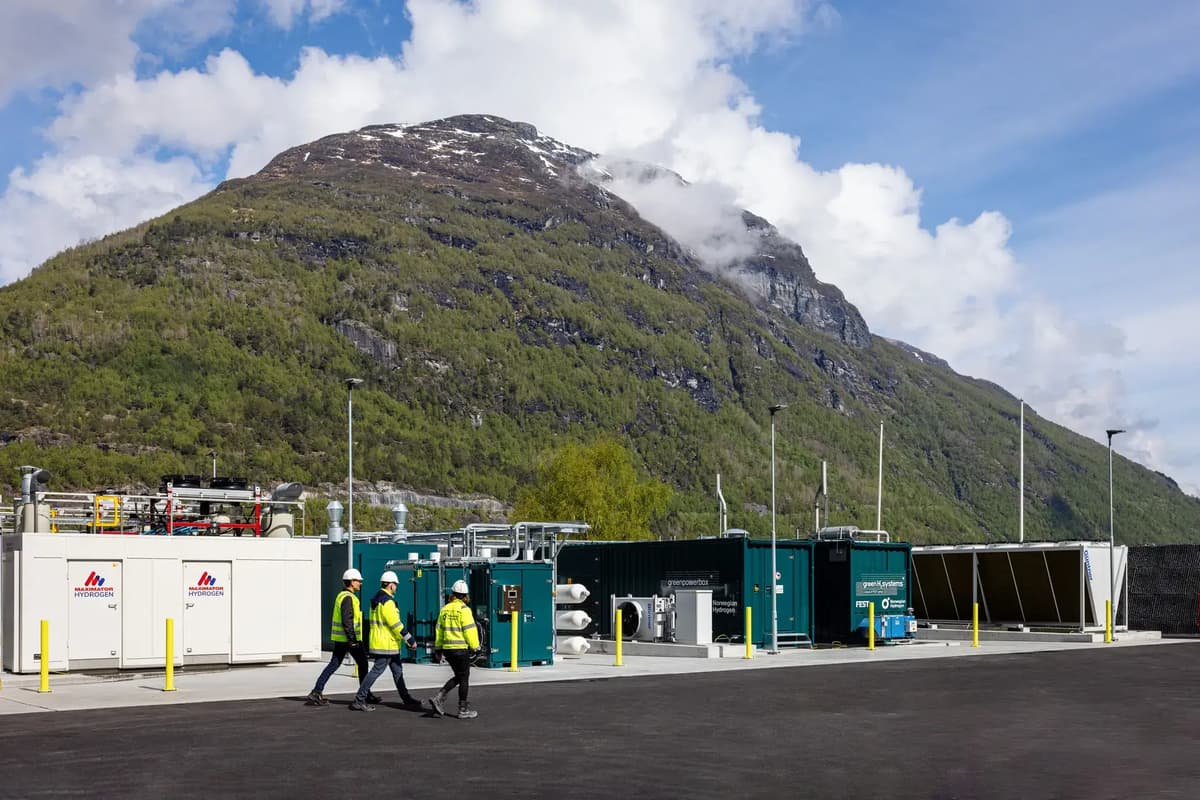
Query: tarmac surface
x=1087, y=723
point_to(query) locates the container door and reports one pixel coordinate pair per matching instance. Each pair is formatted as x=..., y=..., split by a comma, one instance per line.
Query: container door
x=790, y=599
x=536, y=642
x=94, y=613
x=206, y=611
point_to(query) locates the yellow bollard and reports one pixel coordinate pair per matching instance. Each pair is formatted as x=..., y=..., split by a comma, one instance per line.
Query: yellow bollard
x=619, y=637
x=975, y=625
x=169, y=684
x=513, y=615
x=44, y=686
x=749, y=643
x=1108, y=621
x=870, y=626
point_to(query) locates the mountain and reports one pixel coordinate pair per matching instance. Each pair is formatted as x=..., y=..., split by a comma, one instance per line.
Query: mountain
x=499, y=300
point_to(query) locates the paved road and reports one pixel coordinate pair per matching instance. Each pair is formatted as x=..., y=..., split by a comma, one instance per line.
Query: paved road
x=1095, y=724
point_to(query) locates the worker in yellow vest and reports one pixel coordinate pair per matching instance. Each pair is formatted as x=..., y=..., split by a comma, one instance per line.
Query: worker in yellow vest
x=386, y=637
x=345, y=632
x=457, y=641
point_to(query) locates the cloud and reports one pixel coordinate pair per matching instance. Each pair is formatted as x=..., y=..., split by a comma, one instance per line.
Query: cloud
x=284, y=13
x=56, y=43
x=63, y=201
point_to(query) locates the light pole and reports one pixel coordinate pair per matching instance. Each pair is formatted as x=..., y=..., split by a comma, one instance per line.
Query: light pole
x=350, y=384
x=1112, y=549
x=774, y=566
x=213, y=455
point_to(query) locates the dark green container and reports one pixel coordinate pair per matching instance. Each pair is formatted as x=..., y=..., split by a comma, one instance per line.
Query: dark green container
x=848, y=575
x=737, y=570
x=371, y=560
x=535, y=622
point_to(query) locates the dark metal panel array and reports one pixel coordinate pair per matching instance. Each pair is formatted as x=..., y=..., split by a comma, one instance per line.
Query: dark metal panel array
x=1164, y=588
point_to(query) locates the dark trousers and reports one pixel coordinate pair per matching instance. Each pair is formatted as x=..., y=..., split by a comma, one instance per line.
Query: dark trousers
x=460, y=662
x=340, y=649
x=382, y=662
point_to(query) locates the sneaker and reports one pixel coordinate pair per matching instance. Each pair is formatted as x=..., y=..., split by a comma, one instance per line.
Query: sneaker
x=357, y=706
x=467, y=713
x=315, y=698
x=412, y=702
x=436, y=704
x=374, y=699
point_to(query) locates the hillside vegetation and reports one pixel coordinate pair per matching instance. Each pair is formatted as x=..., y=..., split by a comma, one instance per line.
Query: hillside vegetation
x=494, y=320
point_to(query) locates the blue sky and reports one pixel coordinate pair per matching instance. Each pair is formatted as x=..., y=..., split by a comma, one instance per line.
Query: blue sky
x=1013, y=186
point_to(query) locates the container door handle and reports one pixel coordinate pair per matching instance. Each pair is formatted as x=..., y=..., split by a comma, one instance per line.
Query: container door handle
x=112, y=605
x=188, y=605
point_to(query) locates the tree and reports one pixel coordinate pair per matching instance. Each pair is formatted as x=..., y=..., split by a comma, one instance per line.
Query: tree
x=594, y=483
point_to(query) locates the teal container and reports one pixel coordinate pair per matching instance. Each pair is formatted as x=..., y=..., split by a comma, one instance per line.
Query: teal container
x=736, y=569
x=371, y=560
x=535, y=621
x=849, y=575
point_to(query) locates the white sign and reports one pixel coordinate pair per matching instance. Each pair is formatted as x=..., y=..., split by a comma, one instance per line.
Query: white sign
x=779, y=588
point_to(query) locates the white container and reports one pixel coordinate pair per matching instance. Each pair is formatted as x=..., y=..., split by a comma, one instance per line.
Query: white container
x=573, y=646
x=566, y=593
x=234, y=600
x=571, y=620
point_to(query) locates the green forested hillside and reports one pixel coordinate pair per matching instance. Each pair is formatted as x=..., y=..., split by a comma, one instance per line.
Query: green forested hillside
x=492, y=319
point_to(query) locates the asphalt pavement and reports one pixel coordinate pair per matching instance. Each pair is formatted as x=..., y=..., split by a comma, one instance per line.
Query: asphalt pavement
x=1120, y=723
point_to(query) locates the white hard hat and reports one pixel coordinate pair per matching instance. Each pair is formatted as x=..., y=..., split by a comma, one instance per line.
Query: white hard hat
x=389, y=577
x=352, y=575
x=460, y=587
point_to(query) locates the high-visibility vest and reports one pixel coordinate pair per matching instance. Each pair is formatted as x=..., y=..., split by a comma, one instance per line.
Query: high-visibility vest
x=387, y=631
x=456, y=628
x=336, y=632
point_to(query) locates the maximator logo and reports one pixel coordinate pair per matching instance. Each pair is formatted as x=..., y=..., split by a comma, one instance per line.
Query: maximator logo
x=94, y=586
x=206, y=586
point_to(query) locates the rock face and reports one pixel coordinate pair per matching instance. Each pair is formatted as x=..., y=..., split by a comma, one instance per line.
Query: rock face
x=478, y=155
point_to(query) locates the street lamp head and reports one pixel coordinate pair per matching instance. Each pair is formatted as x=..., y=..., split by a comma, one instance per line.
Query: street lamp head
x=352, y=382
x=776, y=408
x=1114, y=431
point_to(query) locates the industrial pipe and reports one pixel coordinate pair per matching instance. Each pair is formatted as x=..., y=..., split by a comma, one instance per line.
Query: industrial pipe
x=571, y=593
x=571, y=620
x=169, y=683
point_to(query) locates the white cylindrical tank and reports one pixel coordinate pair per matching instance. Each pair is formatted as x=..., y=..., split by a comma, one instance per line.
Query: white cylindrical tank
x=282, y=524
x=573, y=646
x=35, y=518
x=571, y=620
x=570, y=593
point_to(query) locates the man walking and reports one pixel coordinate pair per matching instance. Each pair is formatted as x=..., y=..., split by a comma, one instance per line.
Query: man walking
x=346, y=634
x=457, y=639
x=386, y=635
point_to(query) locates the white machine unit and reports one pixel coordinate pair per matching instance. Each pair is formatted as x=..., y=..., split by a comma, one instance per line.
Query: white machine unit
x=645, y=619
x=693, y=616
x=107, y=598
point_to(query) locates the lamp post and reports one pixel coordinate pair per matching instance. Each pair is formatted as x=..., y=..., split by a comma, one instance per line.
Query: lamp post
x=774, y=567
x=213, y=455
x=1112, y=549
x=350, y=384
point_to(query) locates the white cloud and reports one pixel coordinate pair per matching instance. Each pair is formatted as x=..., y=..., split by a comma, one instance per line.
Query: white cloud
x=57, y=43
x=284, y=13
x=66, y=200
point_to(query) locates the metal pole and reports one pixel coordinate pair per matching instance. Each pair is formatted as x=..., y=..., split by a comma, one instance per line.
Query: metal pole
x=774, y=565
x=350, y=384
x=1112, y=549
x=879, y=495
x=1021, y=525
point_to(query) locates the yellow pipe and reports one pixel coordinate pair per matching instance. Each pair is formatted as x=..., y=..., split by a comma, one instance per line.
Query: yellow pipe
x=513, y=615
x=619, y=637
x=975, y=625
x=749, y=643
x=1108, y=621
x=44, y=686
x=169, y=685
x=870, y=626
